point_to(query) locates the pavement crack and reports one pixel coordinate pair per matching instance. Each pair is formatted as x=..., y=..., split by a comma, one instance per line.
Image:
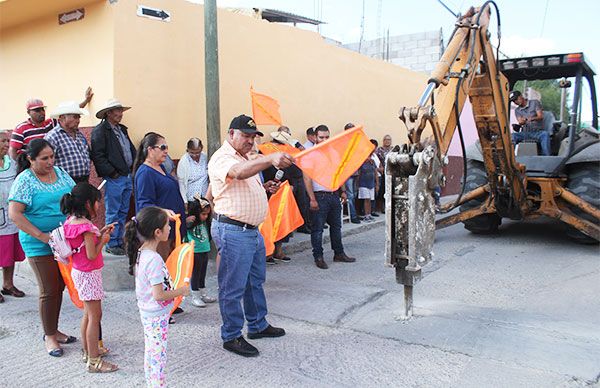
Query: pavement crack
x=355, y=307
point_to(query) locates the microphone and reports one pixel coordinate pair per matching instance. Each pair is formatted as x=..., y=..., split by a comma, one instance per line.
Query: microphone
x=278, y=176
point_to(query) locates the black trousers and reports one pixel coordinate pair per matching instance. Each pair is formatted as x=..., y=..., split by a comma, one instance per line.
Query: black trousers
x=199, y=271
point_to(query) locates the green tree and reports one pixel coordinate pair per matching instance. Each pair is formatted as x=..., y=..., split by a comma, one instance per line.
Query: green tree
x=550, y=92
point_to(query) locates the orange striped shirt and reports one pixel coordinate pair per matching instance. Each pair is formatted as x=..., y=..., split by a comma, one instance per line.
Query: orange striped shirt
x=243, y=200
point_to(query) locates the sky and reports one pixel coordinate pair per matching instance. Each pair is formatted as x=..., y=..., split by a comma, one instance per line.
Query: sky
x=529, y=27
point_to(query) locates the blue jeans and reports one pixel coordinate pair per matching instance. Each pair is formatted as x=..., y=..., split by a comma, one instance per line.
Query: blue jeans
x=351, y=196
x=330, y=211
x=541, y=137
x=116, y=202
x=242, y=273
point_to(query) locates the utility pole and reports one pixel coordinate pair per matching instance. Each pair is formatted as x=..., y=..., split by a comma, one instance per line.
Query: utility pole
x=211, y=77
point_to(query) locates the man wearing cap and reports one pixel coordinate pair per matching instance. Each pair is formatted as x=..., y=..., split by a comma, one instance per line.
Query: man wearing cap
x=113, y=154
x=531, y=121
x=71, y=149
x=325, y=206
x=36, y=126
x=240, y=205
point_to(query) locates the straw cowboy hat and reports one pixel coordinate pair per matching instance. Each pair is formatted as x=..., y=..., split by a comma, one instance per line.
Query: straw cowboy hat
x=68, y=108
x=283, y=137
x=111, y=104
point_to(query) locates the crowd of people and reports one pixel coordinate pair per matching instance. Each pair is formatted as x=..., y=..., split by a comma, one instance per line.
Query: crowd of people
x=45, y=169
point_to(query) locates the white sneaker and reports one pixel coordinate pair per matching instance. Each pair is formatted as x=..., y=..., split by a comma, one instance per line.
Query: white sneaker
x=206, y=298
x=197, y=299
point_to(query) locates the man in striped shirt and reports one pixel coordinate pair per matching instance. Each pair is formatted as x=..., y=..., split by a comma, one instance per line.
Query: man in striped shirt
x=36, y=126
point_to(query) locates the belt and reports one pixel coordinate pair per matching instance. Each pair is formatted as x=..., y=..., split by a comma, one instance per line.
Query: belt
x=324, y=192
x=231, y=221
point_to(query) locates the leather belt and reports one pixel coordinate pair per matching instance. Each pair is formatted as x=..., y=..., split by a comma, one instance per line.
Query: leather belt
x=231, y=221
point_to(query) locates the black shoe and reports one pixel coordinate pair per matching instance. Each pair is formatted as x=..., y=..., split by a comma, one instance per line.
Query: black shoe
x=355, y=220
x=116, y=251
x=375, y=214
x=178, y=310
x=303, y=230
x=270, y=332
x=271, y=260
x=321, y=263
x=284, y=258
x=241, y=346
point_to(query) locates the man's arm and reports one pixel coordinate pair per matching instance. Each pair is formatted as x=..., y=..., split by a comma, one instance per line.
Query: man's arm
x=88, y=97
x=311, y=194
x=99, y=155
x=248, y=168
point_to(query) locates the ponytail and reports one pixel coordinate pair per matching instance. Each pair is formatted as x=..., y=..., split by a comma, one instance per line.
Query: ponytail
x=33, y=150
x=141, y=228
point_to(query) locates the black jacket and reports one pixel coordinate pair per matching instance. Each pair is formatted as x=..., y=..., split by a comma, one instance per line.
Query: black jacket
x=107, y=152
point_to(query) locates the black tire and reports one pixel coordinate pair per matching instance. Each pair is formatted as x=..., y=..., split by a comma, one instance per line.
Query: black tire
x=584, y=181
x=485, y=223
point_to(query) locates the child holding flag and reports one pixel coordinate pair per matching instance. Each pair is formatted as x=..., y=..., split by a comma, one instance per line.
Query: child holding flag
x=152, y=287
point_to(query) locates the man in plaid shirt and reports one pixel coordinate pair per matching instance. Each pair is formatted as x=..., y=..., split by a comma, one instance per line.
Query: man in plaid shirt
x=71, y=150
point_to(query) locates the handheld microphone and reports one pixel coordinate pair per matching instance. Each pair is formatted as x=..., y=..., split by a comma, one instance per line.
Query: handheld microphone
x=278, y=176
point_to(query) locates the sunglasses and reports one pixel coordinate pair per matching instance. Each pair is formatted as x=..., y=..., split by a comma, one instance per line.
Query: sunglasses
x=162, y=147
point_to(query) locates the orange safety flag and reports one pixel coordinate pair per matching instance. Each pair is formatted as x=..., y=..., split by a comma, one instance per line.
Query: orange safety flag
x=180, y=263
x=265, y=109
x=270, y=148
x=332, y=162
x=65, y=271
x=283, y=217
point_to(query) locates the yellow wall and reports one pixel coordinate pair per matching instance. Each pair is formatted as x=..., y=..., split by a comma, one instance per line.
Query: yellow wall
x=55, y=62
x=159, y=71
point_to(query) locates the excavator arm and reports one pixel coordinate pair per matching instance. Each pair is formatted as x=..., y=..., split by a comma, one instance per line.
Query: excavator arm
x=414, y=171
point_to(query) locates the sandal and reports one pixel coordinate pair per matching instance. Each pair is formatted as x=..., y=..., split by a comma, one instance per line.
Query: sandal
x=102, y=351
x=98, y=365
x=13, y=291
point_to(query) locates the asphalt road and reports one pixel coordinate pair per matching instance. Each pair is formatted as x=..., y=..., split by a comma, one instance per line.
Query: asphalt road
x=520, y=309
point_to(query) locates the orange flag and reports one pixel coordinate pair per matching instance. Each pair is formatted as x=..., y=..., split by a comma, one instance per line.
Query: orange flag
x=65, y=271
x=332, y=162
x=270, y=147
x=265, y=109
x=180, y=263
x=283, y=217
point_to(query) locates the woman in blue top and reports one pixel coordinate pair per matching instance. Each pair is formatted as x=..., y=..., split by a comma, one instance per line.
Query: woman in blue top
x=153, y=186
x=34, y=206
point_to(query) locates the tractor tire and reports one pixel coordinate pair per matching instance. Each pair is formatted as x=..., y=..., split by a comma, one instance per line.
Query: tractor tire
x=485, y=223
x=584, y=181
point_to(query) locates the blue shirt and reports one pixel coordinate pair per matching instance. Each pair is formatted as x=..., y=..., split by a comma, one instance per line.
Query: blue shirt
x=42, y=206
x=155, y=189
x=367, y=173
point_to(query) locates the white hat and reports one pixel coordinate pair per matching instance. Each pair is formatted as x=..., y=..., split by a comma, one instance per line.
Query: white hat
x=283, y=137
x=68, y=108
x=110, y=104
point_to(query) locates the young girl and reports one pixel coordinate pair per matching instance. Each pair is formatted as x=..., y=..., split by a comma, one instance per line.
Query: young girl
x=198, y=231
x=81, y=205
x=152, y=287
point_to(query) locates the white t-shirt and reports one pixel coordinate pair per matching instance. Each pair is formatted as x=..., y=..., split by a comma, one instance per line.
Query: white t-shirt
x=150, y=271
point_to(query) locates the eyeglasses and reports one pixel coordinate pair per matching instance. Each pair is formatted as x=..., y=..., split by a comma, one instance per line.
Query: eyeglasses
x=162, y=147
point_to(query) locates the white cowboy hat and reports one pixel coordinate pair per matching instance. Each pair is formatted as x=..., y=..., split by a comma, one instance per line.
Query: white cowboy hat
x=68, y=108
x=283, y=137
x=111, y=104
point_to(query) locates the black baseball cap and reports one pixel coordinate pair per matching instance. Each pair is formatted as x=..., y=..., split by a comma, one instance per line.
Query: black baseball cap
x=245, y=124
x=513, y=95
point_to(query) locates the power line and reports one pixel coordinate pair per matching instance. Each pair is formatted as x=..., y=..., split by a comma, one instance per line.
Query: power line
x=544, y=19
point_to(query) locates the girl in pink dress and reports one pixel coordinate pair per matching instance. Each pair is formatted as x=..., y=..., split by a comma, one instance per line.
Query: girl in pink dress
x=81, y=205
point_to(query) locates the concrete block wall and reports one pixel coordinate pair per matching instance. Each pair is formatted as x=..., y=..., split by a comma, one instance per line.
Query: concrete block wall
x=419, y=52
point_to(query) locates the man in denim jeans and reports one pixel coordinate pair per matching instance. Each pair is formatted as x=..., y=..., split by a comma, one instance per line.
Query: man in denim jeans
x=350, y=186
x=240, y=205
x=325, y=206
x=113, y=154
